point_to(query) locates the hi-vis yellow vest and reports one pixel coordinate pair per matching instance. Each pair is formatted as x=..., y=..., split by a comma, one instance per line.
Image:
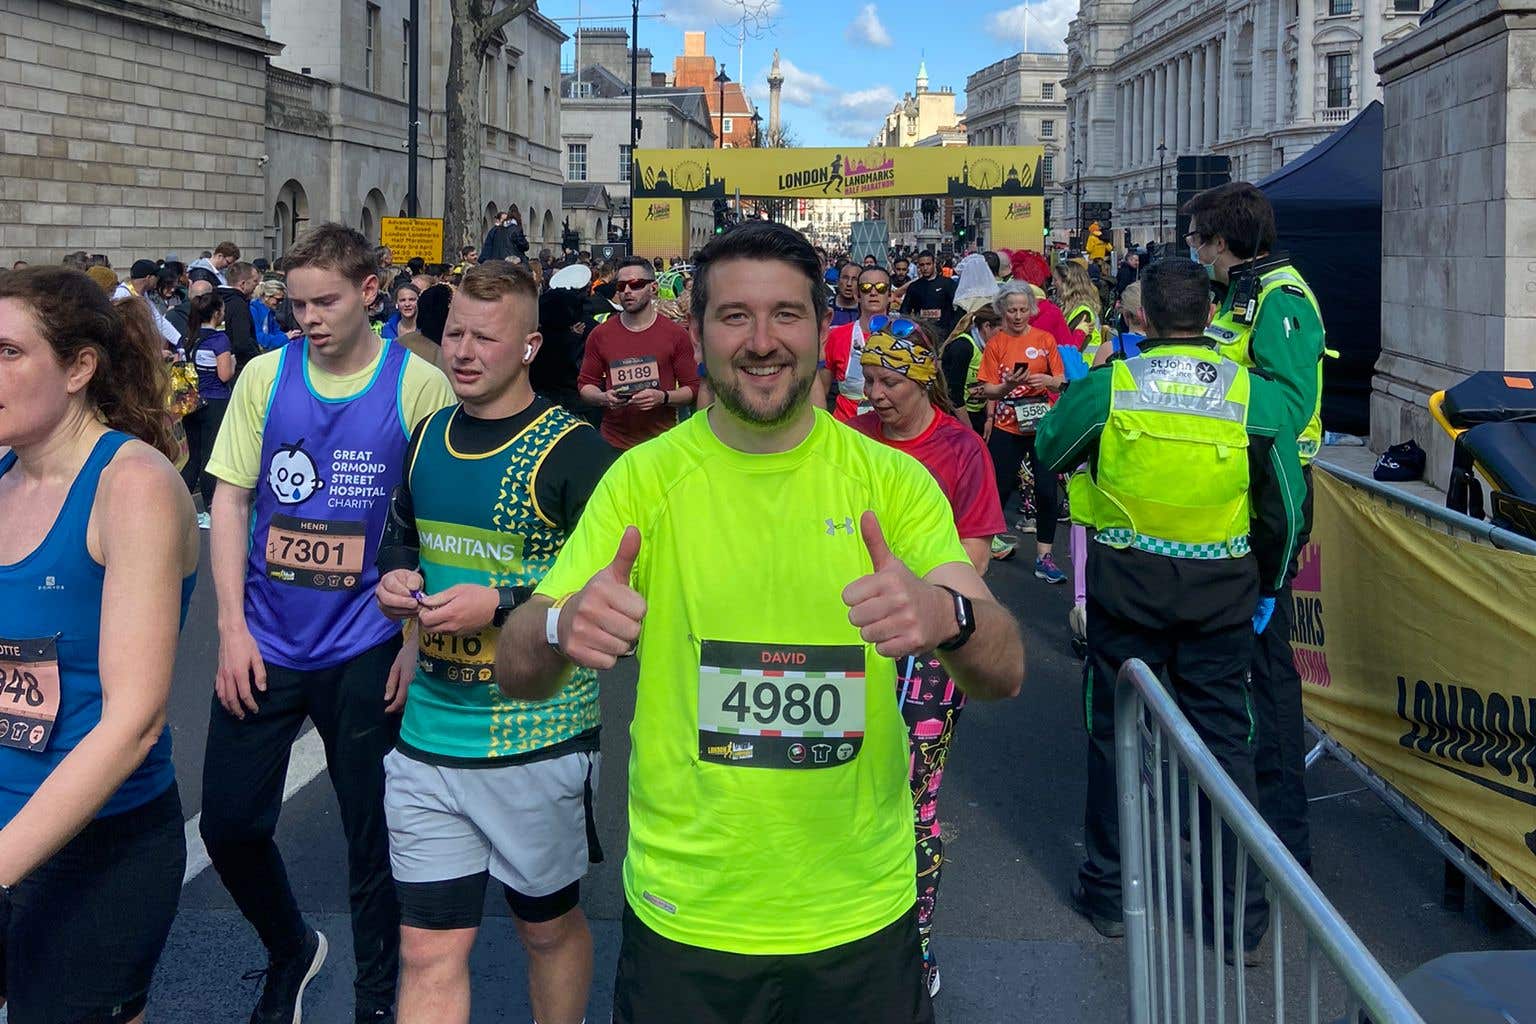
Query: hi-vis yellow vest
x=1095, y=333
x=973, y=373
x=1236, y=339
x=1171, y=475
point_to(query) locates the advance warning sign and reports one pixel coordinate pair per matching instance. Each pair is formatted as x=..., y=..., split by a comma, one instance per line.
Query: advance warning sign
x=410, y=237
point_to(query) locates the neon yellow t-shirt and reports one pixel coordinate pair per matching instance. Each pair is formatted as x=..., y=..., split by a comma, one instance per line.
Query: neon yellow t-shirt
x=236, y=454
x=768, y=802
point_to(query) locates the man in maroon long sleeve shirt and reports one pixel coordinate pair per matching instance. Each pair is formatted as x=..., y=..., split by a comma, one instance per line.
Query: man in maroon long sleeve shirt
x=639, y=366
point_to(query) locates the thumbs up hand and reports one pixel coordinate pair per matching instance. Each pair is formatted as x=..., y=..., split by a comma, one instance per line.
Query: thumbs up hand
x=601, y=623
x=893, y=609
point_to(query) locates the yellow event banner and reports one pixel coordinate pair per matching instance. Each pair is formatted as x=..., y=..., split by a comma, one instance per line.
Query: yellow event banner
x=1413, y=647
x=1008, y=176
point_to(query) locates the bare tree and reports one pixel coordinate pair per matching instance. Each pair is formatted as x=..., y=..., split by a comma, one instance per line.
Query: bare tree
x=755, y=21
x=476, y=24
x=784, y=137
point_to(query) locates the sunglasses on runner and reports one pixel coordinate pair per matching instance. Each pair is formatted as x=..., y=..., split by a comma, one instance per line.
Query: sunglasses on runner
x=895, y=326
x=634, y=285
x=880, y=287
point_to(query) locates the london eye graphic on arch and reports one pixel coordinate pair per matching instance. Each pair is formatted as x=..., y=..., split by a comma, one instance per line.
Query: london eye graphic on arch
x=840, y=174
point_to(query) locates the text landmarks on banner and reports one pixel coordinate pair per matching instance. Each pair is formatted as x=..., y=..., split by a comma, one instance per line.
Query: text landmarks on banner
x=1409, y=643
x=410, y=237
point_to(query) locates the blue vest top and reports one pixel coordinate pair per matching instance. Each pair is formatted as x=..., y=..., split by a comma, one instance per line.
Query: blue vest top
x=328, y=468
x=55, y=593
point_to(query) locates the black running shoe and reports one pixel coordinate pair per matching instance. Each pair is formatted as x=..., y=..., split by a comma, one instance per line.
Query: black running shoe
x=282, y=997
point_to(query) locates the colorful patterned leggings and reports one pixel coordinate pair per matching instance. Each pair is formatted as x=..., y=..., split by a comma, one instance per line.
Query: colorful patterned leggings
x=931, y=705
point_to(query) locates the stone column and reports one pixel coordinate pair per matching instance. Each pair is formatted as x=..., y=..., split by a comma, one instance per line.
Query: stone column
x=1170, y=133
x=1212, y=90
x=1186, y=72
x=1228, y=82
x=1144, y=124
x=1196, y=92
x=1306, y=62
x=1458, y=282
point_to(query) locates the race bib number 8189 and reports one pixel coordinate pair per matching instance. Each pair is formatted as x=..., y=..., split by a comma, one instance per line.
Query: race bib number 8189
x=777, y=706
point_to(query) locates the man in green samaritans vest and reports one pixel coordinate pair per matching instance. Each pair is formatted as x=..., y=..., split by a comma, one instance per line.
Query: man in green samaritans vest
x=1194, y=489
x=482, y=786
x=1269, y=319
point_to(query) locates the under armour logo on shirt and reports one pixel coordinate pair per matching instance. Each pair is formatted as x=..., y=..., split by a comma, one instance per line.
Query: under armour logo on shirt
x=832, y=526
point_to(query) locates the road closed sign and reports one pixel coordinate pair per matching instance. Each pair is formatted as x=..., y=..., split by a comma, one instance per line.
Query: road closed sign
x=410, y=237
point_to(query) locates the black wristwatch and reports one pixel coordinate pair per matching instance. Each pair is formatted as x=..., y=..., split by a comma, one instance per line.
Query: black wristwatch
x=965, y=618
x=508, y=598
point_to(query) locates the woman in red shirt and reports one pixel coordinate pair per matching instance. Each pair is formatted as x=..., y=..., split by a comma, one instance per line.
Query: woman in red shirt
x=912, y=412
x=1021, y=377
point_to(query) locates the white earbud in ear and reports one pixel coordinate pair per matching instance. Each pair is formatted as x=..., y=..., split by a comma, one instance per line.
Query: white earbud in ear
x=528, y=355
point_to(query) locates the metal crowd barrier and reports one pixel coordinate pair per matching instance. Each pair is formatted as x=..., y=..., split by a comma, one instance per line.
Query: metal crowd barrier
x=1165, y=771
x=1436, y=517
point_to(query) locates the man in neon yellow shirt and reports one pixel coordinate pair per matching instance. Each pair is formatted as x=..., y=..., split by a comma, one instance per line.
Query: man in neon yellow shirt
x=766, y=566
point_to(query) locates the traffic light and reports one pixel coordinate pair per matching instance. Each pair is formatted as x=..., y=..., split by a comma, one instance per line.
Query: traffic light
x=962, y=230
x=720, y=210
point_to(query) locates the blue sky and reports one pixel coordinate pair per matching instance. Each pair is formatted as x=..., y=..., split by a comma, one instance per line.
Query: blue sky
x=845, y=65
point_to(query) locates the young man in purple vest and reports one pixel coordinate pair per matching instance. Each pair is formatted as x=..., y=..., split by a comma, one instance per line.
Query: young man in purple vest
x=310, y=449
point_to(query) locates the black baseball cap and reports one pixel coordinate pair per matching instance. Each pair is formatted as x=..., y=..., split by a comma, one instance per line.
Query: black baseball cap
x=144, y=268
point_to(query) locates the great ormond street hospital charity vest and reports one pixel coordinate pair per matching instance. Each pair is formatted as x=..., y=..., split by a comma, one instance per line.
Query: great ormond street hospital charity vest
x=327, y=469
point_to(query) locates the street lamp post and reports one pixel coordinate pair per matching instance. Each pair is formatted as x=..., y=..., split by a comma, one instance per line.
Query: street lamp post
x=634, y=112
x=722, y=78
x=1162, y=153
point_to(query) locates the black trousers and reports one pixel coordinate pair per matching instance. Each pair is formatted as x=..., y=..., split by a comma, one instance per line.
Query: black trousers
x=1007, y=451
x=243, y=773
x=202, y=427
x=1280, y=753
x=1206, y=664
x=874, y=980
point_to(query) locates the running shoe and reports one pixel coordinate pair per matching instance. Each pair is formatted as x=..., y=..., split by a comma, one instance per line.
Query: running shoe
x=1045, y=569
x=931, y=978
x=1003, y=547
x=204, y=521
x=1025, y=526
x=282, y=997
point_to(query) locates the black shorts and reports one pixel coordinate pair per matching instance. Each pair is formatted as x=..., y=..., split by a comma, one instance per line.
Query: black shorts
x=874, y=980
x=88, y=925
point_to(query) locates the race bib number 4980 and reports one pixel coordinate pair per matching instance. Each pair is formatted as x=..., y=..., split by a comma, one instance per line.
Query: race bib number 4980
x=780, y=706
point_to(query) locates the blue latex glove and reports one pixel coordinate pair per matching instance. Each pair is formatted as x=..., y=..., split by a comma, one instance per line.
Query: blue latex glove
x=1263, y=614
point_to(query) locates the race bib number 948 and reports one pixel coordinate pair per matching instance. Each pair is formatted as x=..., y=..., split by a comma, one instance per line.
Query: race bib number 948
x=779, y=706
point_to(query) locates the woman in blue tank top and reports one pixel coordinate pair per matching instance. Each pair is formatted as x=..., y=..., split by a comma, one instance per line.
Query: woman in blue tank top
x=97, y=562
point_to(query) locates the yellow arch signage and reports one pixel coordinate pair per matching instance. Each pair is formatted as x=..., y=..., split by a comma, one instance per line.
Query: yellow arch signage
x=665, y=180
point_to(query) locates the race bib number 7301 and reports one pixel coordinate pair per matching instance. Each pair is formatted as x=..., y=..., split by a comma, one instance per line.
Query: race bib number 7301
x=780, y=706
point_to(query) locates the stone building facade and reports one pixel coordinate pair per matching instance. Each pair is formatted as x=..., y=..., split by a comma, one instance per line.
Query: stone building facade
x=922, y=117
x=142, y=130
x=1259, y=81
x=594, y=126
x=1020, y=101
x=130, y=129
x=337, y=119
x=1458, y=267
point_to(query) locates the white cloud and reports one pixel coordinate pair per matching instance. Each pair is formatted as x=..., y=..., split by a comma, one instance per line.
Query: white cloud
x=1042, y=25
x=712, y=14
x=867, y=29
x=801, y=88
x=859, y=114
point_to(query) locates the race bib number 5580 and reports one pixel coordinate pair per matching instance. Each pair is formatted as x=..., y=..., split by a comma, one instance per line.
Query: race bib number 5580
x=780, y=706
